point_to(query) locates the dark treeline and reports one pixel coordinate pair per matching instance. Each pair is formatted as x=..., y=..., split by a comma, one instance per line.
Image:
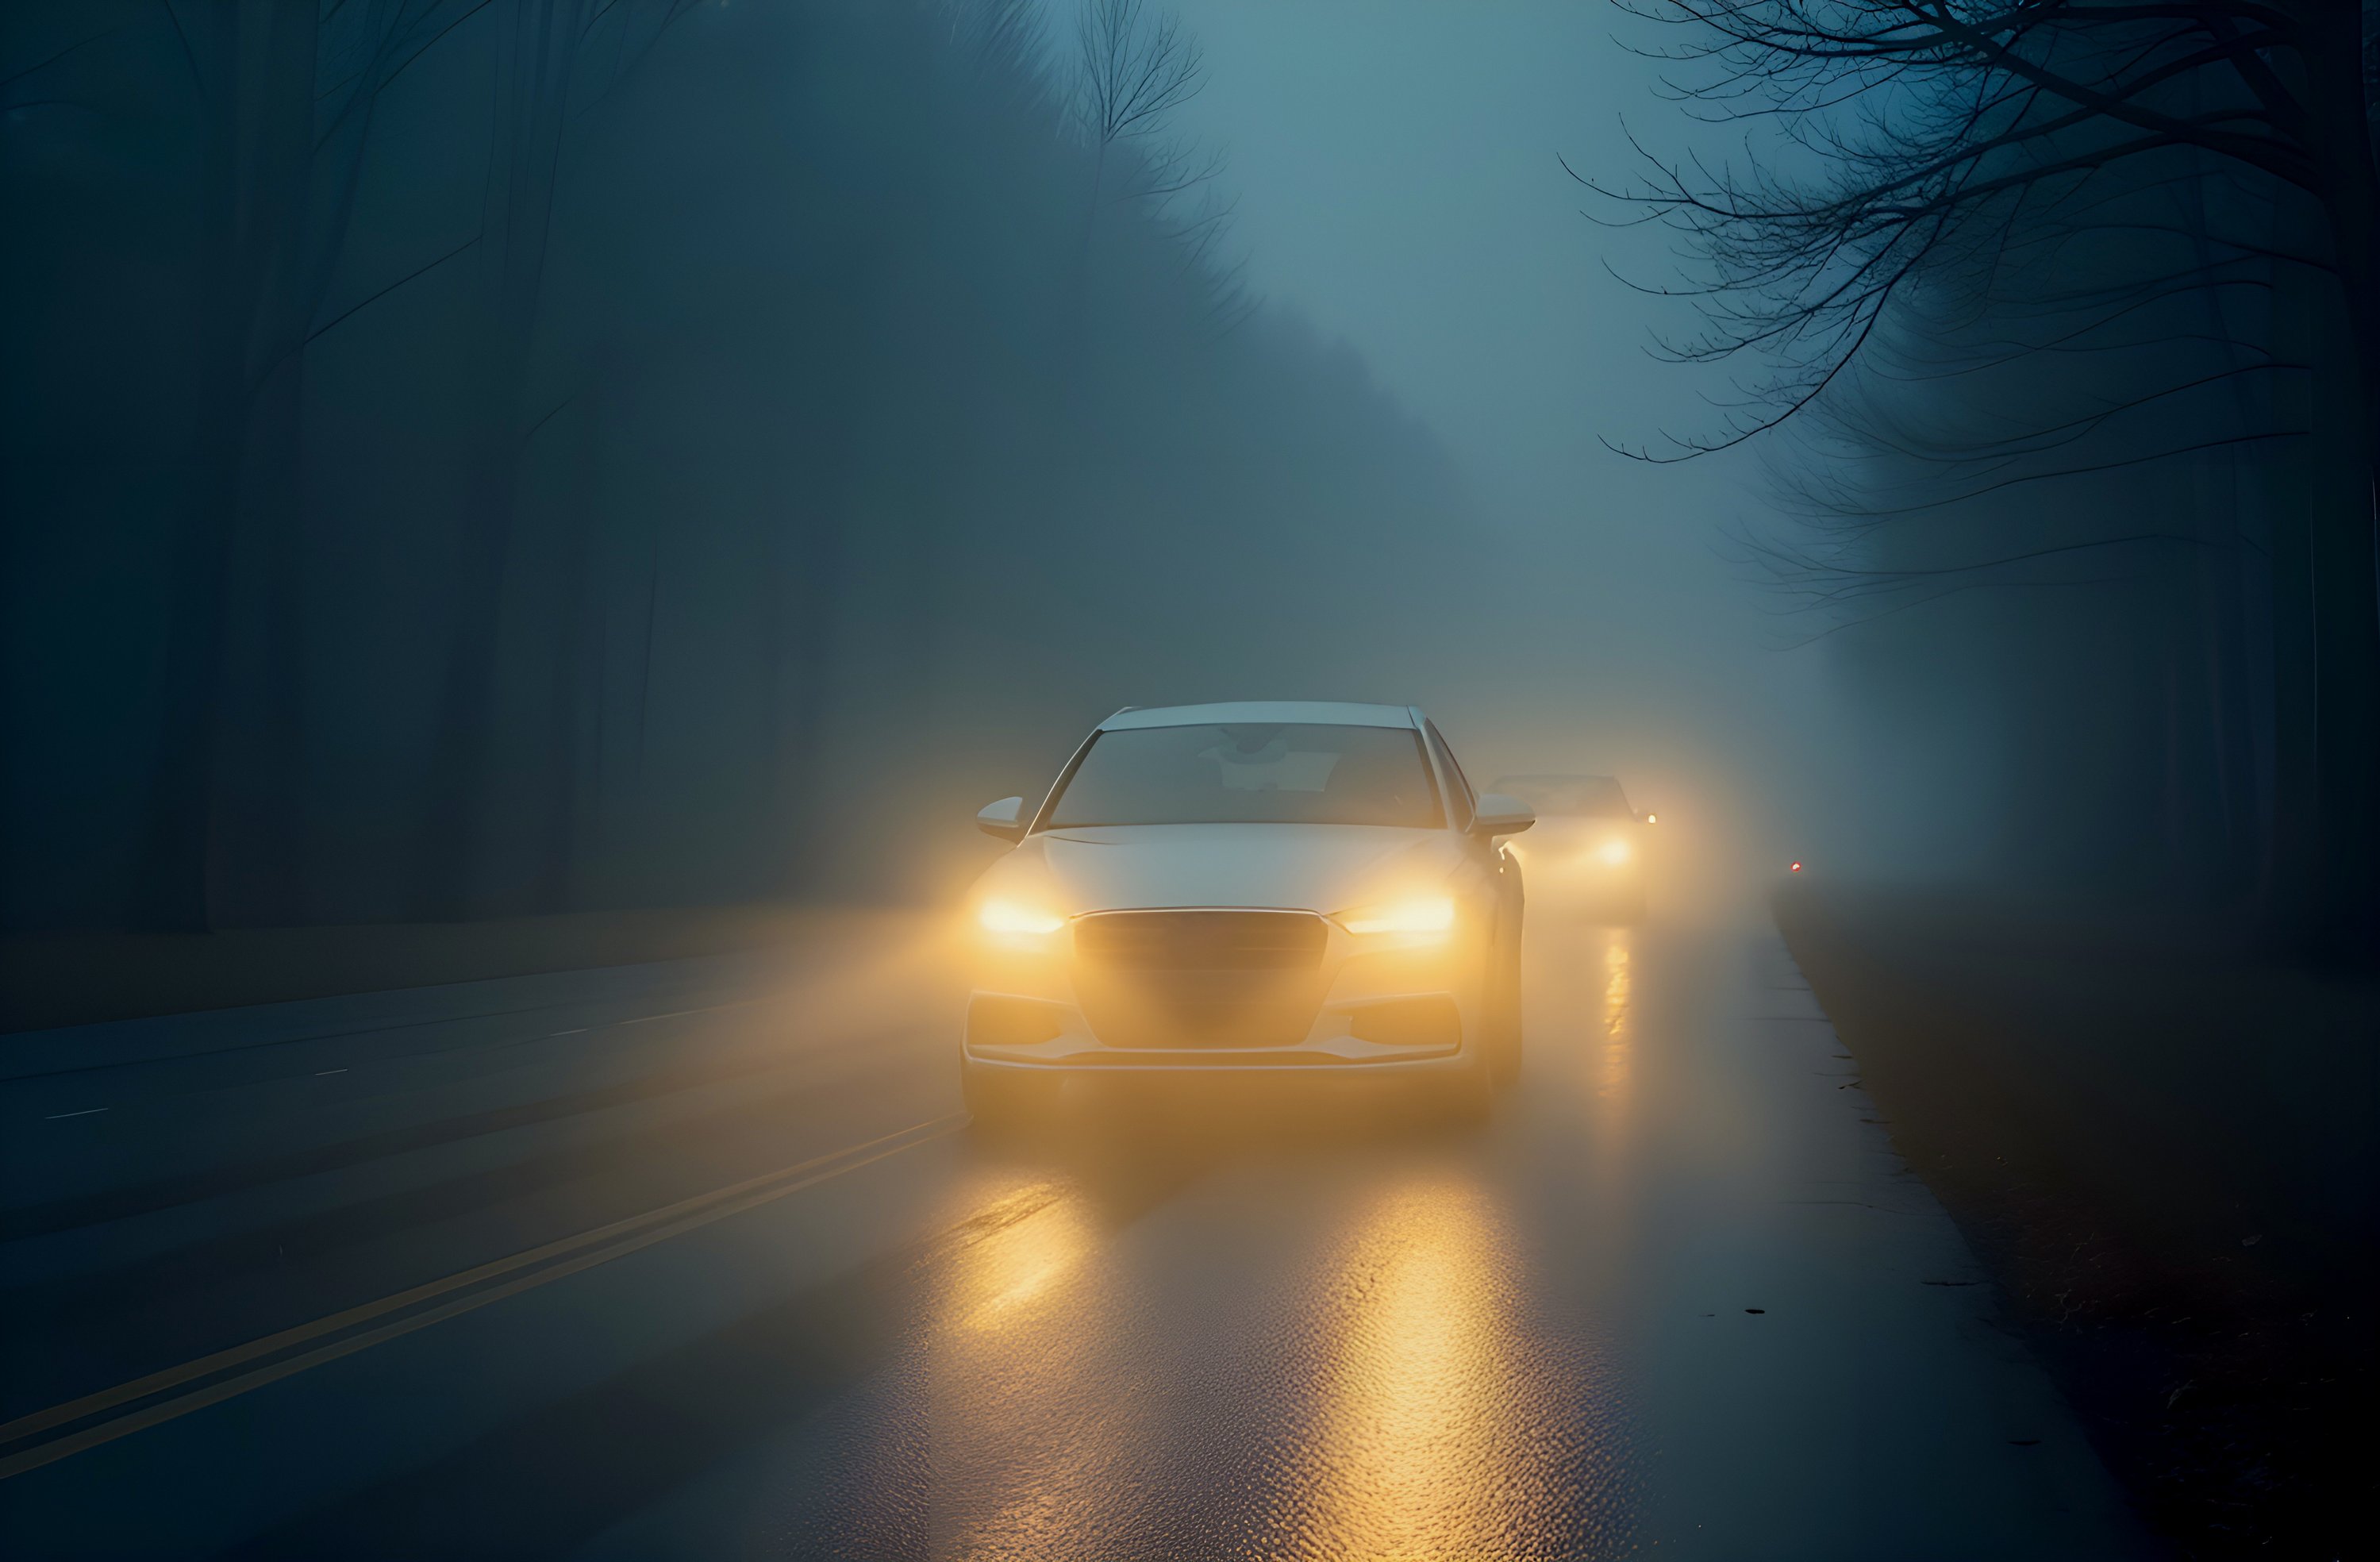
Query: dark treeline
x=2076, y=312
x=474, y=457
x=2048, y=514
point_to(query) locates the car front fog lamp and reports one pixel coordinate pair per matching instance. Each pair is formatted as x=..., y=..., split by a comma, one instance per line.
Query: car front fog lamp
x=1425, y=915
x=1013, y=922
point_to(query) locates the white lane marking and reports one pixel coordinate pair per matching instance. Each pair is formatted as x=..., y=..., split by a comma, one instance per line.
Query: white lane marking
x=578, y=1031
x=60, y=1116
x=681, y=1013
x=326, y=1073
x=584, y=1251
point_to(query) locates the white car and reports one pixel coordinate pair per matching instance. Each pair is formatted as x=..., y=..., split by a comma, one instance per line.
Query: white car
x=1250, y=888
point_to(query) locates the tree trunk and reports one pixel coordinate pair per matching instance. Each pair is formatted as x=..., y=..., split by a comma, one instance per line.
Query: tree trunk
x=539, y=43
x=253, y=85
x=575, y=685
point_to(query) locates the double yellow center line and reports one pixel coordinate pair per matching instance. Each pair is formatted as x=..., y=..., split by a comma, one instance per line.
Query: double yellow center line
x=46, y=1437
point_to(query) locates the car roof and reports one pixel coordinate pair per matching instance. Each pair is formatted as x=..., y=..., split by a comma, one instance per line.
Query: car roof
x=1316, y=713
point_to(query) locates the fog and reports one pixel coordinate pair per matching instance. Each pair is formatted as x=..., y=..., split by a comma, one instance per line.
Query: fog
x=2010, y=606
x=811, y=451
x=472, y=462
x=552, y=552
x=1404, y=181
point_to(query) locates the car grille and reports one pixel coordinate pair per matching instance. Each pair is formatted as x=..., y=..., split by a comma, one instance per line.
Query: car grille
x=1200, y=979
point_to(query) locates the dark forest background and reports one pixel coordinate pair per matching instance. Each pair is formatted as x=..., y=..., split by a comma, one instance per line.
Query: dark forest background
x=2059, y=325
x=467, y=458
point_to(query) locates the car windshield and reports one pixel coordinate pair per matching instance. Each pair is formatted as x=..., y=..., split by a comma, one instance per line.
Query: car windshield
x=1589, y=797
x=1268, y=772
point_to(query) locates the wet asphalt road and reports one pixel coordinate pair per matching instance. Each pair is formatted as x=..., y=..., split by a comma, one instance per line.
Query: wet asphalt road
x=700, y=1260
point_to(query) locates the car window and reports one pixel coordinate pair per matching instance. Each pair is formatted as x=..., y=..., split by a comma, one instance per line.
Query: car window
x=1466, y=802
x=1268, y=772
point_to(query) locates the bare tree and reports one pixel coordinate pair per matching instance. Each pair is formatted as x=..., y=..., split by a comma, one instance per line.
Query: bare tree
x=550, y=65
x=1942, y=170
x=1133, y=70
x=1938, y=129
x=1002, y=43
x=281, y=100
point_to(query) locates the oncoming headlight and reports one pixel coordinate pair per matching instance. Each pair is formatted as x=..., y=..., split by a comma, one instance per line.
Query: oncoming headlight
x=1431, y=914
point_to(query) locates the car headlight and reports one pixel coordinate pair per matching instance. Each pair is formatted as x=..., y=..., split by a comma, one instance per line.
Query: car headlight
x=1424, y=914
x=1015, y=922
x=1614, y=851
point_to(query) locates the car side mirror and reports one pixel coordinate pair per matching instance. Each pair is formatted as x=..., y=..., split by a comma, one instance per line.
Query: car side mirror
x=1001, y=819
x=1499, y=814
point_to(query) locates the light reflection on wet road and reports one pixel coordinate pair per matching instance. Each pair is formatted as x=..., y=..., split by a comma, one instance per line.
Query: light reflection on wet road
x=1246, y=1328
x=1442, y=1428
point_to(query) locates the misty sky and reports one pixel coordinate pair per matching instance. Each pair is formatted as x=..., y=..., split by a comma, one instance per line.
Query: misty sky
x=1395, y=163
x=1397, y=168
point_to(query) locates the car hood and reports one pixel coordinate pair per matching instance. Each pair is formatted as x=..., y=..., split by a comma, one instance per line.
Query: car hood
x=1324, y=868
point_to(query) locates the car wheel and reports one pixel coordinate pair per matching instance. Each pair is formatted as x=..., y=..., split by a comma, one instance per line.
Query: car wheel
x=1504, y=1017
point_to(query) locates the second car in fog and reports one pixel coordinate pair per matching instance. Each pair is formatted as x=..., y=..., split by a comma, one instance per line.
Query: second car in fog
x=1590, y=847
x=1250, y=888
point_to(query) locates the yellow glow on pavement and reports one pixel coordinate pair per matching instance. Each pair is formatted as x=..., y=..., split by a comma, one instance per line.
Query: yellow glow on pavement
x=1435, y=1448
x=1029, y=1349
x=1617, y=1062
x=1004, y=1274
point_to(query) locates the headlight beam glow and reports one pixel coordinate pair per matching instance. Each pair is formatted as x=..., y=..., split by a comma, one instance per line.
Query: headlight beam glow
x=1425, y=914
x=1012, y=918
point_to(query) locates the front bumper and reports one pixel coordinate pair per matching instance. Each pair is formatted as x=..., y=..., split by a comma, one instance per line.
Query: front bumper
x=1388, y=1005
